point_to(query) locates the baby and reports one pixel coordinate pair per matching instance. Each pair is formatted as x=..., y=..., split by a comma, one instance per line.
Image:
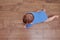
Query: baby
x=31, y=18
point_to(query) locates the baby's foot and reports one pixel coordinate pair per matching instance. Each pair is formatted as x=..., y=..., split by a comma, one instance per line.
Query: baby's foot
x=56, y=16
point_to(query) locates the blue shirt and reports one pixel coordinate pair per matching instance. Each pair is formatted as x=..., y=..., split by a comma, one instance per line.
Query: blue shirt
x=39, y=17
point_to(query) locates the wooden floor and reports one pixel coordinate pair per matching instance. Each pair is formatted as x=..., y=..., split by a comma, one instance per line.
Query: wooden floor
x=11, y=11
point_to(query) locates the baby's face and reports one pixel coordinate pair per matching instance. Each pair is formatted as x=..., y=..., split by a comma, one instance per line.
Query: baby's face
x=28, y=18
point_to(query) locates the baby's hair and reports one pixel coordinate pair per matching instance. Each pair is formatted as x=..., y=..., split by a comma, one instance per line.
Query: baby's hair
x=28, y=18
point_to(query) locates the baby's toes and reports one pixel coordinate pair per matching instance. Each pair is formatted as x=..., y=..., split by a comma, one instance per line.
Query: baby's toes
x=57, y=16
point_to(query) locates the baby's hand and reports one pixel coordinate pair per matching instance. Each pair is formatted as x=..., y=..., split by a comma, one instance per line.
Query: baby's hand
x=25, y=26
x=42, y=10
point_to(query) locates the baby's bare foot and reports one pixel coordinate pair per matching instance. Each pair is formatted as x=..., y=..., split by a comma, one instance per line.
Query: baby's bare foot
x=56, y=16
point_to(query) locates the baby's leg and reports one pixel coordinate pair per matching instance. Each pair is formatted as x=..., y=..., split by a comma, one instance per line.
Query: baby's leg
x=52, y=18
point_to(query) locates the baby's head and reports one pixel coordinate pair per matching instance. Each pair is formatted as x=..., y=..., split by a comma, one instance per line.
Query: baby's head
x=28, y=18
